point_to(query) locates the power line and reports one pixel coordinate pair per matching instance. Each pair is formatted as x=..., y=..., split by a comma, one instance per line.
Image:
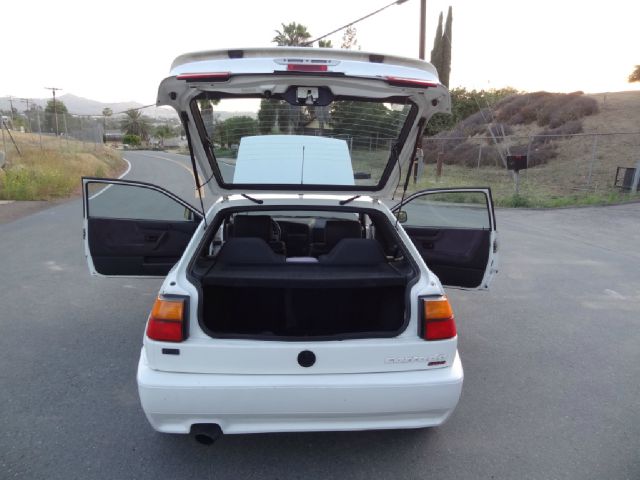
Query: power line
x=397, y=2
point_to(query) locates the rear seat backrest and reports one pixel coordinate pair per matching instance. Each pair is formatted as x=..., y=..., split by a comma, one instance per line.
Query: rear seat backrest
x=252, y=226
x=248, y=251
x=334, y=231
x=256, y=226
x=355, y=251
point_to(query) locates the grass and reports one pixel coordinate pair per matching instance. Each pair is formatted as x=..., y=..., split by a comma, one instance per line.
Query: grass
x=54, y=170
x=546, y=186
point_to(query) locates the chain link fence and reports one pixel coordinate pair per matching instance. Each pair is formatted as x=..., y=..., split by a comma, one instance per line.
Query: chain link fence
x=45, y=125
x=579, y=168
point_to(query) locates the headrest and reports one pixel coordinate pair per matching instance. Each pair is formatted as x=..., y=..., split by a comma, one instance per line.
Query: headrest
x=248, y=251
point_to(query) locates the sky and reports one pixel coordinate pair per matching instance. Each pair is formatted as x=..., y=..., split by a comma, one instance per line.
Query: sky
x=120, y=50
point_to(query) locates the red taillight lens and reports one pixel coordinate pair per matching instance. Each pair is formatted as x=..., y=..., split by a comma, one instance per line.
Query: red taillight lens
x=438, y=322
x=167, y=322
x=306, y=67
x=410, y=82
x=205, y=77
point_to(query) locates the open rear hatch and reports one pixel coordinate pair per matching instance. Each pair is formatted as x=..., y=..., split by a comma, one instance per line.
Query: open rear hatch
x=302, y=119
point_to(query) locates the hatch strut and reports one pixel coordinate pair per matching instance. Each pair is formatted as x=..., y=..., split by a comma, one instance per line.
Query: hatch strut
x=185, y=123
x=421, y=123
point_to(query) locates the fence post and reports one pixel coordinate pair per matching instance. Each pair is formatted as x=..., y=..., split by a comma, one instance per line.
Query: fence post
x=636, y=179
x=66, y=132
x=39, y=129
x=593, y=157
x=479, y=155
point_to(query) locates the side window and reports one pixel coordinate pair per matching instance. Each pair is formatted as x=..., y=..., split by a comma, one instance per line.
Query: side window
x=448, y=210
x=132, y=202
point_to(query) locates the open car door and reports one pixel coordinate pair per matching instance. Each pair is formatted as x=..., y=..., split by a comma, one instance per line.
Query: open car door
x=454, y=230
x=134, y=228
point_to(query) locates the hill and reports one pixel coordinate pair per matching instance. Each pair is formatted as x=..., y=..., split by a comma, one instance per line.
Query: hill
x=574, y=144
x=85, y=106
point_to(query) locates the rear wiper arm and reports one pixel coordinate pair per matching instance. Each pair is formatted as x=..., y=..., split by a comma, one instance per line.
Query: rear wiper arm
x=254, y=200
x=348, y=200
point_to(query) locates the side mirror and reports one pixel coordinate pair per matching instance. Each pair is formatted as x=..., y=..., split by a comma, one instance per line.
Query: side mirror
x=401, y=215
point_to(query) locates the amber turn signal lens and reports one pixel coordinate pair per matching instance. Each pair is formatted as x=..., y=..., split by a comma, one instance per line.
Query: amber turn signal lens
x=165, y=309
x=437, y=309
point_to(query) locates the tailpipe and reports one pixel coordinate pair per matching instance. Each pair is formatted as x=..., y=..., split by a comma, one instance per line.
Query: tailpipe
x=206, y=433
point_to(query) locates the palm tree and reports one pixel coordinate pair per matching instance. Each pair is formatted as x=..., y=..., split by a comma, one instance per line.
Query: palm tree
x=293, y=34
x=135, y=124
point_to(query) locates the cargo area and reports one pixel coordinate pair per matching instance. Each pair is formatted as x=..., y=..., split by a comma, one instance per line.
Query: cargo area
x=346, y=286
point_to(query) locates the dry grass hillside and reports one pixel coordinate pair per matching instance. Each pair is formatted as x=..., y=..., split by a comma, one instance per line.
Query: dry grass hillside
x=568, y=163
x=49, y=167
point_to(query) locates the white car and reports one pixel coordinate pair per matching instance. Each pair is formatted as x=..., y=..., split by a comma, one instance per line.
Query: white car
x=299, y=301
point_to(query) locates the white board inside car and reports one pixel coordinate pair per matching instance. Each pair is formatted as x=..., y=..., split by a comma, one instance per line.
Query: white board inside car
x=300, y=159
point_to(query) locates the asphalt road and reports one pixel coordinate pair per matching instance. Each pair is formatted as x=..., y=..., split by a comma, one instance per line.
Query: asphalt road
x=551, y=357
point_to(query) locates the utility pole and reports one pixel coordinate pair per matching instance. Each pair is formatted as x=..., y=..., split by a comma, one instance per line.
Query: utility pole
x=55, y=109
x=418, y=162
x=11, y=109
x=27, y=100
x=423, y=26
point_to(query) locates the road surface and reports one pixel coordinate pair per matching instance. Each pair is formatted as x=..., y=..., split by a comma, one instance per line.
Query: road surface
x=551, y=356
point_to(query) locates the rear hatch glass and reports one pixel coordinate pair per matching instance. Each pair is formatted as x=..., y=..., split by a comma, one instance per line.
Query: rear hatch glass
x=268, y=141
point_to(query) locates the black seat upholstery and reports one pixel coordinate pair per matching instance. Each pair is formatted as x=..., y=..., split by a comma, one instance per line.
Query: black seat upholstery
x=354, y=251
x=334, y=231
x=259, y=226
x=248, y=251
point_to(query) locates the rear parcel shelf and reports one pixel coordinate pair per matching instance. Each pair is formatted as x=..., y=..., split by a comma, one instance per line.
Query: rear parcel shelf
x=324, y=299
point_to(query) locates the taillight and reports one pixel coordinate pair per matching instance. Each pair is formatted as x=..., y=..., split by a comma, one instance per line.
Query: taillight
x=410, y=82
x=167, y=322
x=205, y=77
x=438, y=322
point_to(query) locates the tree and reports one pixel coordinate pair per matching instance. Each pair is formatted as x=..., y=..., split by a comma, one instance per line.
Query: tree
x=135, y=124
x=268, y=115
x=441, y=52
x=635, y=75
x=230, y=131
x=293, y=34
x=362, y=121
x=52, y=115
x=162, y=132
x=446, y=50
x=349, y=40
x=325, y=44
x=436, y=51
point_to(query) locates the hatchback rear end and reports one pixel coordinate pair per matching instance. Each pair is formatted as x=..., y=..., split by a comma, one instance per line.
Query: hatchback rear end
x=300, y=343
x=306, y=298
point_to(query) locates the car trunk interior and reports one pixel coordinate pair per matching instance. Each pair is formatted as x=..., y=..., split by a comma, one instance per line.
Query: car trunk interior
x=351, y=283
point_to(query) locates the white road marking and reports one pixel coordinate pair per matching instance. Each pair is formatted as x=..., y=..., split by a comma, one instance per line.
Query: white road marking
x=180, y=165
x=109, y=186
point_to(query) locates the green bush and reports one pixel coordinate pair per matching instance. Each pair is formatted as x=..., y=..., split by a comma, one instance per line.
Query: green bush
x=130, y=139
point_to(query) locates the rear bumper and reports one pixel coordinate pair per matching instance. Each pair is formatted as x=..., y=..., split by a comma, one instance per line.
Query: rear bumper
x=173, y=402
